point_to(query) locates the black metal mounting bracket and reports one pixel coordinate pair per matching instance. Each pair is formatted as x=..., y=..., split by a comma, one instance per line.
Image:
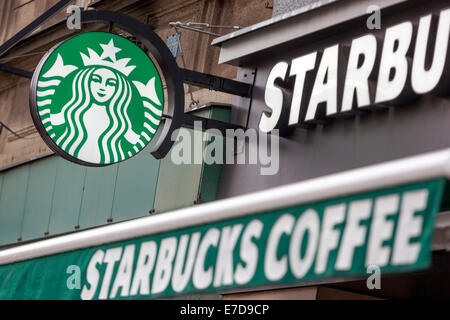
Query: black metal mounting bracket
x=16, y=71
x=216, y=83
x=10, y=43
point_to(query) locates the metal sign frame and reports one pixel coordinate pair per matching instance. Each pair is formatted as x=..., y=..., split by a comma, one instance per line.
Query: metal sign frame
x=174, y=76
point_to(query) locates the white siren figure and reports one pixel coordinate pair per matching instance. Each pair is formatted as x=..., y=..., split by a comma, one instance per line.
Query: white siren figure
x=96, y=115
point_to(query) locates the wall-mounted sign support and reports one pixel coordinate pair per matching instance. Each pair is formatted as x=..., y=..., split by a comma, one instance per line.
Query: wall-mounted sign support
x=173, y=75
x=10, y=43
x=201, y=26
x=217, y=83
x=16, y=71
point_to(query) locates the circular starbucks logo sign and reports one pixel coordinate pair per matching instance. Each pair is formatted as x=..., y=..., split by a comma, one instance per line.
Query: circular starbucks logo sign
x=96, y=99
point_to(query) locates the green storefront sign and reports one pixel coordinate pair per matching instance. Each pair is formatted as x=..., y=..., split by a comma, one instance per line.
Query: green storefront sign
x=97, y=99
x=390, y=228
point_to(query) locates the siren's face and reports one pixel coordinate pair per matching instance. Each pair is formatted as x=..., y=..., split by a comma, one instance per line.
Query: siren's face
x=103, y=85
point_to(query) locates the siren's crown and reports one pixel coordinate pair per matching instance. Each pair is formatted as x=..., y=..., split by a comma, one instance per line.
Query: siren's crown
x=109, y=51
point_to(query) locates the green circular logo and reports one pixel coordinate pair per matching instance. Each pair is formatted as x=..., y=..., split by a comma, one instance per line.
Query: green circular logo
x=98, y=98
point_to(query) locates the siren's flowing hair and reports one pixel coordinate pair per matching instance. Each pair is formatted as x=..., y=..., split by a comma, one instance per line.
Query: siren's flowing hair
x=73, y=111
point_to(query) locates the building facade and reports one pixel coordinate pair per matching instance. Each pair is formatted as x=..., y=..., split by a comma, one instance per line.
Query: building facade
x=356, y=94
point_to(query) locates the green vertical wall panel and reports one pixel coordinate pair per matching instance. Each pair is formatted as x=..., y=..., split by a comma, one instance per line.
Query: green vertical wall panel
x=179, y=185
x=67, y=197
x=12, y=202
x=39, y=198
x=135, y=186
x=210, y=176
x=221, y=113
x=97, y=197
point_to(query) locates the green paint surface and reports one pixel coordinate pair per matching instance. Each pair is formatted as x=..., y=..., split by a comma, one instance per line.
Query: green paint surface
x=12, y=202
x=39, y=199
x=211, y=172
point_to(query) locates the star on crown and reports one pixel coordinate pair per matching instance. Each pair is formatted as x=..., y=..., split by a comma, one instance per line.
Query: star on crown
x=109, y=51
